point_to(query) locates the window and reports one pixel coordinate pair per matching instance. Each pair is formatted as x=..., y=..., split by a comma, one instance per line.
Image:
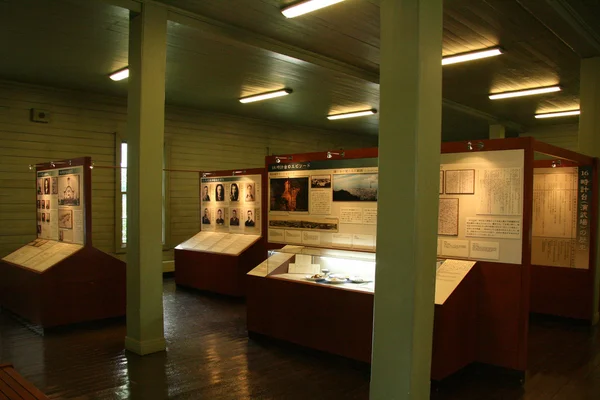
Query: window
x=123, y=194
x=123, y=189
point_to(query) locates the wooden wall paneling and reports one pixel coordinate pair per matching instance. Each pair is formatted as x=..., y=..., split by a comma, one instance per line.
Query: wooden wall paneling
x=86, y=124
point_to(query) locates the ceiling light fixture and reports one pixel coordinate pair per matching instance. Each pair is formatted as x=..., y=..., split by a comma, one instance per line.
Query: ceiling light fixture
x=265, y=96
x=528, y=92
x=472, y=55
x=120, y=74
x=352, y=114
x=558, y=114
x=306, y=7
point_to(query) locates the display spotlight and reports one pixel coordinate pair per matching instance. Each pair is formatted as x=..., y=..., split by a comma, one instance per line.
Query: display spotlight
x=476, y=146
x=556, y=163
x=92, y=165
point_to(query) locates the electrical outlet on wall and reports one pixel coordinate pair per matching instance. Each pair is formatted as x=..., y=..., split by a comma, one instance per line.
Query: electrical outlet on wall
x=41, y=116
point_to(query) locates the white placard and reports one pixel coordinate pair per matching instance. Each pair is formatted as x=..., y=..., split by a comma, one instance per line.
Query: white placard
x=276, y=235
x=295, y=268
x=505, y=228
x=500, y=191
x=448, y=217
x=320, y=202
x=448, y=276
x=351, y=215
x=460, y=181
x=311, y=238
x=293, y=237
x=363, y=241
x=303, y=259
x=369, y=216
x=455, y=248
x=342, y=240
x=485, y=250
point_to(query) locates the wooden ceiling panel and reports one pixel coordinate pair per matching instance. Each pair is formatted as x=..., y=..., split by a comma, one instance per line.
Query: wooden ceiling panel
x=212, y=75
x=63, y=43
x=347, y=31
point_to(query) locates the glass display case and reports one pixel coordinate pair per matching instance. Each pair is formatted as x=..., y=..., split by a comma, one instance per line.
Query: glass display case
x=336, y=268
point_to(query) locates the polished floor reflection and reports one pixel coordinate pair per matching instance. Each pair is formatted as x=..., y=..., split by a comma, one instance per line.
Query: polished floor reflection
x=211, y=357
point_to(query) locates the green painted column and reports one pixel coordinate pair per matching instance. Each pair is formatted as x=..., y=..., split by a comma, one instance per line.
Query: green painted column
x=409, y=161
x=145, y=126
x=589, y=137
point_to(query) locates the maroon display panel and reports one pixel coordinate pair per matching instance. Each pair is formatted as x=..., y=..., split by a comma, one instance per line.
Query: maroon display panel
x=88, y=285
x=222, y=273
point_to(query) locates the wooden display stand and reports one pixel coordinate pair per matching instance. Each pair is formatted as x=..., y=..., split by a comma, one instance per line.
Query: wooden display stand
x=340, y=321
x=485, y=320
x=87, y=285
x=218, y=272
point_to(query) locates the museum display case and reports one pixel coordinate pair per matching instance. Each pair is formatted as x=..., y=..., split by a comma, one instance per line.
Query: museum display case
x=230, y=241
x=323, y=299
x=521, y=212
x=60, y=278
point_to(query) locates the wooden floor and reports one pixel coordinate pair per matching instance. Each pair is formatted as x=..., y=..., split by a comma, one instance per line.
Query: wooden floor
x=210, y=357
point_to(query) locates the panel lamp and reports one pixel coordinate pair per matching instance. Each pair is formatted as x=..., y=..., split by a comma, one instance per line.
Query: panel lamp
x=265, y=96
x=472, y=55
x=528, y=92
x=306, y=7
x=352, y=114
x=120, y=74
x=558, y=114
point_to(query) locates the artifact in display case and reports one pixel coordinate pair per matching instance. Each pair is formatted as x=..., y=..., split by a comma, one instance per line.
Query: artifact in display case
x=325, y=301
x=60, y=278
x=230, y=241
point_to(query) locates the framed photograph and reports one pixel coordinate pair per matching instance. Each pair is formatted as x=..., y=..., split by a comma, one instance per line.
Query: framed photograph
x=289, y=194
x=68, y=190
x=219, y=192
x=206, y=217
x=235, y=217
x=234, y=192
x=43, y=217
x=65, y=219
x=355, y=187
x=47, y=204
x=249, y=190
x=55, y=185
x=206, y=192
x=249, y=221
x=46, y=185
x=43, y=204
x=39, y=204
x=220, y=217
x=320, y=182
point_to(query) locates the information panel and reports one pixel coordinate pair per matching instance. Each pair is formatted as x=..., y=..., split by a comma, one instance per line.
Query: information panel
x=481, y=206
x=330, y=203
x=561, y=217
x=60, y=205
x=231, y=204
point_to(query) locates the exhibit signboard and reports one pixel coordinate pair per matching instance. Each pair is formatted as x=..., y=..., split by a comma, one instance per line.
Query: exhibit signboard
x=561, y=217
x=60, y=204
x=231, y=204
x=481, y=206
x=326, y=203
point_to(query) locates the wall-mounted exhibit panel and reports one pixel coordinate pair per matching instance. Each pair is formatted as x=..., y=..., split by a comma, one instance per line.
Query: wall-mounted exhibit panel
x=563, y=229
x=230, y=241
x=231, y=204
x=324, y=202
x=481, y=206
x=59, y=278
x=323, y=299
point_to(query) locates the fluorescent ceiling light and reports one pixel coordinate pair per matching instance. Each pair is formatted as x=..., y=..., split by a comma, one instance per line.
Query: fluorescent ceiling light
x=473, y=55
x=528, y=92
x=558, y=114
x=120, y=74
x=352, y=114
x=265, y=96
x=307, y=6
